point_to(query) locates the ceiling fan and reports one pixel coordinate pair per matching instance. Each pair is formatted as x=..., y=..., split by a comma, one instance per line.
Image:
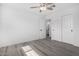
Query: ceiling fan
x=45, y=6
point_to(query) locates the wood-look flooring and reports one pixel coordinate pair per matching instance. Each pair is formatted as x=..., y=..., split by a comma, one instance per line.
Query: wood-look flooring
x=43, y=47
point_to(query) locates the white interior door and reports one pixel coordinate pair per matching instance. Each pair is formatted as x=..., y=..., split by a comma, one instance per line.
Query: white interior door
x=67, y=28
x=42, y=29
x=54, y=30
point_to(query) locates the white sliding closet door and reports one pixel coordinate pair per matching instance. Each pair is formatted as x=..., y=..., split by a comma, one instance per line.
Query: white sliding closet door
x=67, y=28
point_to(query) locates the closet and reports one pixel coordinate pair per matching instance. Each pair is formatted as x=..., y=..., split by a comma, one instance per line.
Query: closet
x=67, y=28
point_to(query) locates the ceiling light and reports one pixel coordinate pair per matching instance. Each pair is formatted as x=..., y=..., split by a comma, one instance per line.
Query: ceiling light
x=42, y=8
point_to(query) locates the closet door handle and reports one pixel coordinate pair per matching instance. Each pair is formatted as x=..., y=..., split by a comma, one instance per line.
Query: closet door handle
x=40, y=29
x=71, y=30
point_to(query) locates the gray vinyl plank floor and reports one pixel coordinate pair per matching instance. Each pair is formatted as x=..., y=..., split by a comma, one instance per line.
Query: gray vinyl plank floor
x=43, y=47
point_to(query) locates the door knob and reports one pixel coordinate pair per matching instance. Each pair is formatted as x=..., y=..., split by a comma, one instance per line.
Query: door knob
x=71, y=30
x=40, y=29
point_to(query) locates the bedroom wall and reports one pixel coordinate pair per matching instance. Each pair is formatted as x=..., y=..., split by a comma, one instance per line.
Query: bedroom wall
x=17, y=24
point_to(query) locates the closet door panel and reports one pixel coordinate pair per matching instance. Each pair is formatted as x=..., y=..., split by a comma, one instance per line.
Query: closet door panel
x=67, y=28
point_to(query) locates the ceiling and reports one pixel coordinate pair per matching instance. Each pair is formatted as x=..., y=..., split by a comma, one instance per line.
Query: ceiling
x=26, y=6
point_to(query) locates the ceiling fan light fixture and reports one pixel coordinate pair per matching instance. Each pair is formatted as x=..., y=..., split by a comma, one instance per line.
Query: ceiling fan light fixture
x=42, y=8
x=45, y=6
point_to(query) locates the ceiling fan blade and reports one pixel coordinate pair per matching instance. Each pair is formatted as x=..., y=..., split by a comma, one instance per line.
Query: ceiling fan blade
x=49, y=3
x=50, y=8
x=53, y=5
x=35, y=7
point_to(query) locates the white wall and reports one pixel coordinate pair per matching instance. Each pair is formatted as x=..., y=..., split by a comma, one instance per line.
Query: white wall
x=56, y=24
x=17, y=24
x=76, y=26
